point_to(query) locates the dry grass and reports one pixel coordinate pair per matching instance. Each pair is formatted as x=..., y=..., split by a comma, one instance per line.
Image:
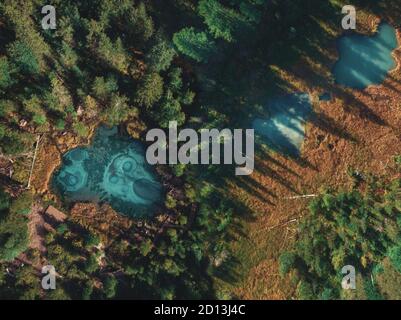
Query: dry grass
x=357, y=129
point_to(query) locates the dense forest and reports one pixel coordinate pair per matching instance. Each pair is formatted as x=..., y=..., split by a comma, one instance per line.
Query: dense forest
x=148, y=63
x=361, y=228
x=115, y=62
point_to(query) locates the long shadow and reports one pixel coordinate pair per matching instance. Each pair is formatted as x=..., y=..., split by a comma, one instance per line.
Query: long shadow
x=274, y=175
x=327, y=124
x=364, y=112
x=308, y=49
x=252, y=183
x=227, y=271
x=305, y=163
x=252, y=190
x=263, y=154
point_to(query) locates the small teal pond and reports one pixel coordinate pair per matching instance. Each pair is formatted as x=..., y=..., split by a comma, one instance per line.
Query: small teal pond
x=113, y=169
x=283, y=129
x=366, y=60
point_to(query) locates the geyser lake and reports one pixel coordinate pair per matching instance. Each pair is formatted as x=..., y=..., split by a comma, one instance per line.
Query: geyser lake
x=113, y=170
x=283, y=129
x=365, y=60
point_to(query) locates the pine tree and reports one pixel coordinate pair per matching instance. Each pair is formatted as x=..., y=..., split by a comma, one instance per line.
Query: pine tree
x=197, y=45
x=24, y=58
x=222, y=22
x=150, y=90
x=110, y=286
x=5, y=74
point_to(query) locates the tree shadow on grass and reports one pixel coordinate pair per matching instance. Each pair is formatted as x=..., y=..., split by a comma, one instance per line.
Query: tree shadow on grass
x=228, y=270
x=266, y=156
x=255, y=189
x=266, y=170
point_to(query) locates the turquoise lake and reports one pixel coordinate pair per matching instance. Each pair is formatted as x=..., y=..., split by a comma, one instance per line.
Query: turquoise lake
x=283, y=129
x=113, y=169
x=366, y=60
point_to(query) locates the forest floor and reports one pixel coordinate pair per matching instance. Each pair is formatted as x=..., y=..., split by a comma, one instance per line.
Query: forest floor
x=356, y=130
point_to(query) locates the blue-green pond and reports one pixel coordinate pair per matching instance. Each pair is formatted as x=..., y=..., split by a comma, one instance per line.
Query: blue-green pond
x=113, y=169
x=283, y=128
x=366, y=60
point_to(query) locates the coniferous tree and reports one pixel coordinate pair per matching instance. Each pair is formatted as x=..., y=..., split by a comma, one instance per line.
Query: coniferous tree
x=197, y=45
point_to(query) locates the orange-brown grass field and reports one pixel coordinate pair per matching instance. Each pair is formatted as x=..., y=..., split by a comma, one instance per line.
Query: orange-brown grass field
x=357, y=130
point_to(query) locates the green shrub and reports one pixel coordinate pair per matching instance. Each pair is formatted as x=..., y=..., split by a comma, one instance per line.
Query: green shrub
x=81, y=129
x=110, y=286
x=395, y=257
x=287, y=262
x=22, y=204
